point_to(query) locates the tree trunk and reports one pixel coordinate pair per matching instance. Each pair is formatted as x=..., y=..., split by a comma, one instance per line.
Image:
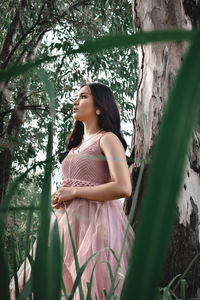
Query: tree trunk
x=9, y=137
x=158, y=66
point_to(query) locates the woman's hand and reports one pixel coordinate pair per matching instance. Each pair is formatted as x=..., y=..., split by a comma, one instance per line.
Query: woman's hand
x=62, y=195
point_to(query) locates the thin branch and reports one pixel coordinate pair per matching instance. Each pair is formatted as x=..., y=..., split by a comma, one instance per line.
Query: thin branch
x=30, y=107
x=21, y=26
x=35, y=93
x=79, y=3
x=24, y=36
x=22, y=53
x=10, y=35
x=3, y=114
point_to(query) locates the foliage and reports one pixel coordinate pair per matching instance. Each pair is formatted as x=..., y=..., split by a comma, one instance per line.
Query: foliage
x=66, y=26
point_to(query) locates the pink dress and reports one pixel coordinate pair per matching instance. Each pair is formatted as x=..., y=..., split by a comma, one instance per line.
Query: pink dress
x=95, y=224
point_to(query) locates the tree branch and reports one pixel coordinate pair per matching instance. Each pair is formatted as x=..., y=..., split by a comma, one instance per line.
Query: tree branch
x=11, y=34
x=29, y=107
x=23, y=37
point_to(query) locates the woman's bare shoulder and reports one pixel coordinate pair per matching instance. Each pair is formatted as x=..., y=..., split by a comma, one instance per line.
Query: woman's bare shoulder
x=110, y=140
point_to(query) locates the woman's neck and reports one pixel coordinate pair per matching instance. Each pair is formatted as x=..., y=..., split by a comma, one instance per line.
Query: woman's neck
x=90, y=129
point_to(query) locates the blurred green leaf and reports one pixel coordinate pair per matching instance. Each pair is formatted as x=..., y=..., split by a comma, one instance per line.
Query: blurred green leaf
x=40, y=275
x=20, y=69
x=55, y=262
x=50, y=90
x=4, y=279
x=138, y=38
x=89, y=284
x=164, y=180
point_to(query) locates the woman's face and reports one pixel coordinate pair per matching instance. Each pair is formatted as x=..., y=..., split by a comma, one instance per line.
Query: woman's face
x=83, y=107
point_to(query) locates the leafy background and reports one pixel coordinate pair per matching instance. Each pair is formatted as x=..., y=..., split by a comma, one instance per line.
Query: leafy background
x=78, y=22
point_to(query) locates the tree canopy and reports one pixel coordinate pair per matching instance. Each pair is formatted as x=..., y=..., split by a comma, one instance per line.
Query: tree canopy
x=34, y=29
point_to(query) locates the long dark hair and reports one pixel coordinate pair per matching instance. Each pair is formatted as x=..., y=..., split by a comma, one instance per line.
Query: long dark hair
x=108, y=120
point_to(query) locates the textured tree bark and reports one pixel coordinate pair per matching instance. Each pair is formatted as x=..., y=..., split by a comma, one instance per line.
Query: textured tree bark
x=158, y=66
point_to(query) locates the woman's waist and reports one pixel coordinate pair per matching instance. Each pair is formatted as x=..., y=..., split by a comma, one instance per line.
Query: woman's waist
x=81, y=182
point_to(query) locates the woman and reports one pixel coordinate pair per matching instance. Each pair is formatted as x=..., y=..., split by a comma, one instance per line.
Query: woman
x=95, y=175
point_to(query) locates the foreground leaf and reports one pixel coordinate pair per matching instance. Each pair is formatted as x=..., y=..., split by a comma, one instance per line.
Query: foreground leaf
x=164, y=181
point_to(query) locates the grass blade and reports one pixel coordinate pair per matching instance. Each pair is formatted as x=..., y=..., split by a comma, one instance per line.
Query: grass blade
x=81, y=270
x=15, y=267
x=75, y=258
x=4, y=278
x=195, y=259
x=28, y=230
x=104, y=43
x=89, y=284
x=50, y=90
x=138, y=38
x=169, y=154
x=166, y=294
x=55, y=264
x=12, y=189
x=183, y=285
x=20, y=69
x=40, y=275
x=27, y=290
x=64, y=289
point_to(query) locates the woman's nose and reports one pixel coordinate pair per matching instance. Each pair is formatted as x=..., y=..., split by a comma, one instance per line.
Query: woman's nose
x=76, y=101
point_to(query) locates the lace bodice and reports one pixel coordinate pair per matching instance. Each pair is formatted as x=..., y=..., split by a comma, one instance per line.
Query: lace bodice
x=87, y=168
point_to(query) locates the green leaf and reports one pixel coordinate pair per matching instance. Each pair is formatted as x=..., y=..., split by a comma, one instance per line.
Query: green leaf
x=50, y=90
x=104, y=43
x=19, y=69
x=12, y=189
x=89, y=284
x=40, y=275
x=4, y=279
x=76, y=260
x=15, y=267
x=183, y=285
x=138, y=38
x=28, y=230
x=164, y=181
x=27, y=290
x=55, y=264
x=166, y=294
x=194, y=260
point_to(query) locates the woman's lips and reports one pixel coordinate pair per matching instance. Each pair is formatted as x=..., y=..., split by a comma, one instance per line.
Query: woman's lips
x=75, y=109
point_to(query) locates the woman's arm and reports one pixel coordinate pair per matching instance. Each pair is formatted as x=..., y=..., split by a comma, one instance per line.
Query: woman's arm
x=120, y=186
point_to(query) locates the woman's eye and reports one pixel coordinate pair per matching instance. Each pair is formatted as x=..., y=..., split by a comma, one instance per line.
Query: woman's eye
x=83, y=96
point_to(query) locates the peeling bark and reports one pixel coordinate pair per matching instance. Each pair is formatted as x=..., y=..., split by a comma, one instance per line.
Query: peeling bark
x=128, y=203
x=192, y=9
x=194, y=155
x=158, y=66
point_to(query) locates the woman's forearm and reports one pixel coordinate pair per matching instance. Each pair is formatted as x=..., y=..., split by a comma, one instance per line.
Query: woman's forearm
x=107, y=191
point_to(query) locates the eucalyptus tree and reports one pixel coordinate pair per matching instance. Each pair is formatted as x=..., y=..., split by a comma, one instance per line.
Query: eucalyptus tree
x=158, y=67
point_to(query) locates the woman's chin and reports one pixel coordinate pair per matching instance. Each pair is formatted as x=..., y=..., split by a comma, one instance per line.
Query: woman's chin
x=75, y=117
